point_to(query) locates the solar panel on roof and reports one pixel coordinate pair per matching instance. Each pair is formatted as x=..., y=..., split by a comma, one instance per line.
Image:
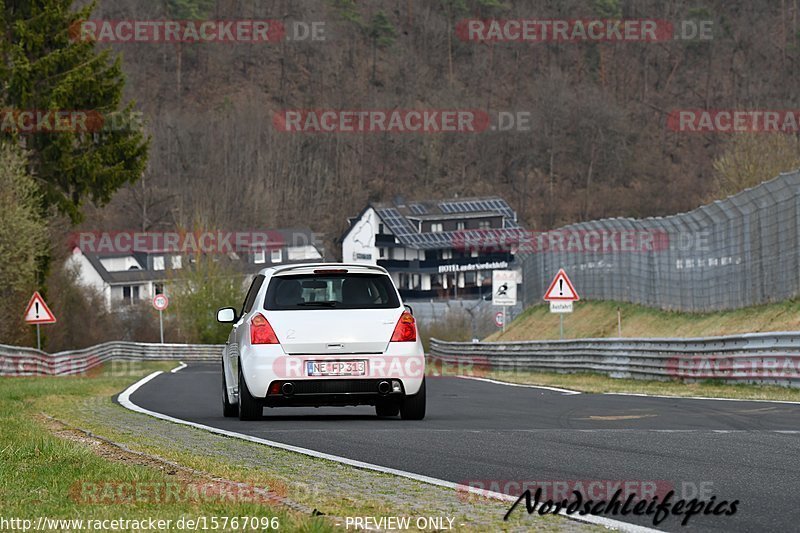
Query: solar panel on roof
x=408, y=234
x=396, y=222
x=466, y=206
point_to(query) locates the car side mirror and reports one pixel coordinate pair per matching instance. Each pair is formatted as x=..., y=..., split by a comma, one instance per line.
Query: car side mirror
x=226, y=315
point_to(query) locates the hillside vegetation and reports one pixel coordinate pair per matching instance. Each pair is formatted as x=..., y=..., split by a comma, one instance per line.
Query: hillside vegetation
x=598, y=144
x=599, y=319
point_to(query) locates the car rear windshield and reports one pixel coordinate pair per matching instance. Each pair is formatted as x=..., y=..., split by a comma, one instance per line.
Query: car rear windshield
x=331, y=291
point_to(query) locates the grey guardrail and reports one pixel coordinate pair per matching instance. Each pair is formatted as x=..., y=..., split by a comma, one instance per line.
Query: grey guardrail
x=19, y=361
x=769, y=358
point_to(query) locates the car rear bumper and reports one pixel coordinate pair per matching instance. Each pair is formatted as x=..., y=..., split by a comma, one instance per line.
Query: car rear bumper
x=264, y=364
x=319, y=392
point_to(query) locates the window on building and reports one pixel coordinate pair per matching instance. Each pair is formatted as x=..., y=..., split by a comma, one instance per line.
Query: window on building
x=259, y=257
x=484, y=224
x=382, y=252
x=130, y=293
x=436, y=227
x=380, y=228
x=447, y=254
x=460, y=225
x=158, y=288
x=158, y=262
x=276, y=256
x=176, y=262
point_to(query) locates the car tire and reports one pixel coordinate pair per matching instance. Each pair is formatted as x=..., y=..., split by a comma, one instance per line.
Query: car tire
x=413, y=407
x=387, y=408
x=249, y=407
x=229, y=410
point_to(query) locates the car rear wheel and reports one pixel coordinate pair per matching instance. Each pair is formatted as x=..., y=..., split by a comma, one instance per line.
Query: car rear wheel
x=413, y=407
x=249, y=408
x=387, y=408
x=228, y=409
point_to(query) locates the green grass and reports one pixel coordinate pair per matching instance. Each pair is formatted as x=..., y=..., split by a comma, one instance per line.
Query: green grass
x=598, y=383
x=42, y=474
x=598, y=319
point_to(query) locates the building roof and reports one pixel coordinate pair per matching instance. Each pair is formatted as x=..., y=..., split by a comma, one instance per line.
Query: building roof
x=396, y=215
x=280, y=238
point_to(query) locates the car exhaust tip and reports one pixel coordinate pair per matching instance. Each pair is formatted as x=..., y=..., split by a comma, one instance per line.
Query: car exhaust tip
x=384, y=387
x=287, y=389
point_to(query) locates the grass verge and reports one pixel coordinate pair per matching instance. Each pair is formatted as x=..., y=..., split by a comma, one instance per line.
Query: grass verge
x=42, y=473
x=596, y=319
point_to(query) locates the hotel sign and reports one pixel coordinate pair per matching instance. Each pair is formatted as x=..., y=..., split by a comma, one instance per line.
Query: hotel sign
x=473, y=266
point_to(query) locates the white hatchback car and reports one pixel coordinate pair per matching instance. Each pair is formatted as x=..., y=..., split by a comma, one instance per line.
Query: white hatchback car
x=322, y=334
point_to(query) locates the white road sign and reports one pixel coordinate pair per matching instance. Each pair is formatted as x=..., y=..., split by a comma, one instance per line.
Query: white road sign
x=560, y=307
x=504, y=287
x=38, y=312
x=160, y=301
x=499, y=319
x=561, y=289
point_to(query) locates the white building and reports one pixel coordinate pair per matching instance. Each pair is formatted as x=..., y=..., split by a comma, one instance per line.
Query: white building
x=129, y=277
x=436, y=248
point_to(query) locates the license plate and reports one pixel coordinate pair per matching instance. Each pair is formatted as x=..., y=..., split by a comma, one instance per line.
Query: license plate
x=336, y=368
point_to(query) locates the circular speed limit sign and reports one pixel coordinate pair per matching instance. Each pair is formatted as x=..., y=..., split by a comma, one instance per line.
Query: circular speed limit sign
x=160, y=301
x=499, y=318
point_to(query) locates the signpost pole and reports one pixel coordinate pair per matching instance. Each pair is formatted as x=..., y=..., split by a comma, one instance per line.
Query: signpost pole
x=504, y=318
x=38, y=313
x=160, y=302
x=561, y=294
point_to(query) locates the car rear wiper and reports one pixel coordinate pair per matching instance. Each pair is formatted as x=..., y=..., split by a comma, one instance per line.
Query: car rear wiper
x=331, y=303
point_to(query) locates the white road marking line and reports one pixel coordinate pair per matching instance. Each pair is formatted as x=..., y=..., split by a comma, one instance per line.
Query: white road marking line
x=124, y=399
x=181, y=366
x=695, y=397
x=487, y=380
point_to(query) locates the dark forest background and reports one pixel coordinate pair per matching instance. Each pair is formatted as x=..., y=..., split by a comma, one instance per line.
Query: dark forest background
x=598, y=146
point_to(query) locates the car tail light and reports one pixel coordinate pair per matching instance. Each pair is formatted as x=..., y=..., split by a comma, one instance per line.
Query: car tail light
x=406, y=329
x=261, y=332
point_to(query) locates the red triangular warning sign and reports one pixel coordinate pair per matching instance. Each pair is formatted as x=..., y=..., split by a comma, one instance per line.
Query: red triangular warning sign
x=561, y=289
x=38, y=312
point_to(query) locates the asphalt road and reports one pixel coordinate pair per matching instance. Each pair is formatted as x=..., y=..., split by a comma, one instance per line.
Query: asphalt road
x=476, y=431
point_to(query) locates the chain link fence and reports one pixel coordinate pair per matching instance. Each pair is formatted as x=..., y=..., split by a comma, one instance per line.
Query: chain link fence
x=732, y=253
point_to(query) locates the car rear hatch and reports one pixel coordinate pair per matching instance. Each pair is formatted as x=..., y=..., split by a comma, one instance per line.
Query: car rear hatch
x=334, y=331
x=333, y=311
